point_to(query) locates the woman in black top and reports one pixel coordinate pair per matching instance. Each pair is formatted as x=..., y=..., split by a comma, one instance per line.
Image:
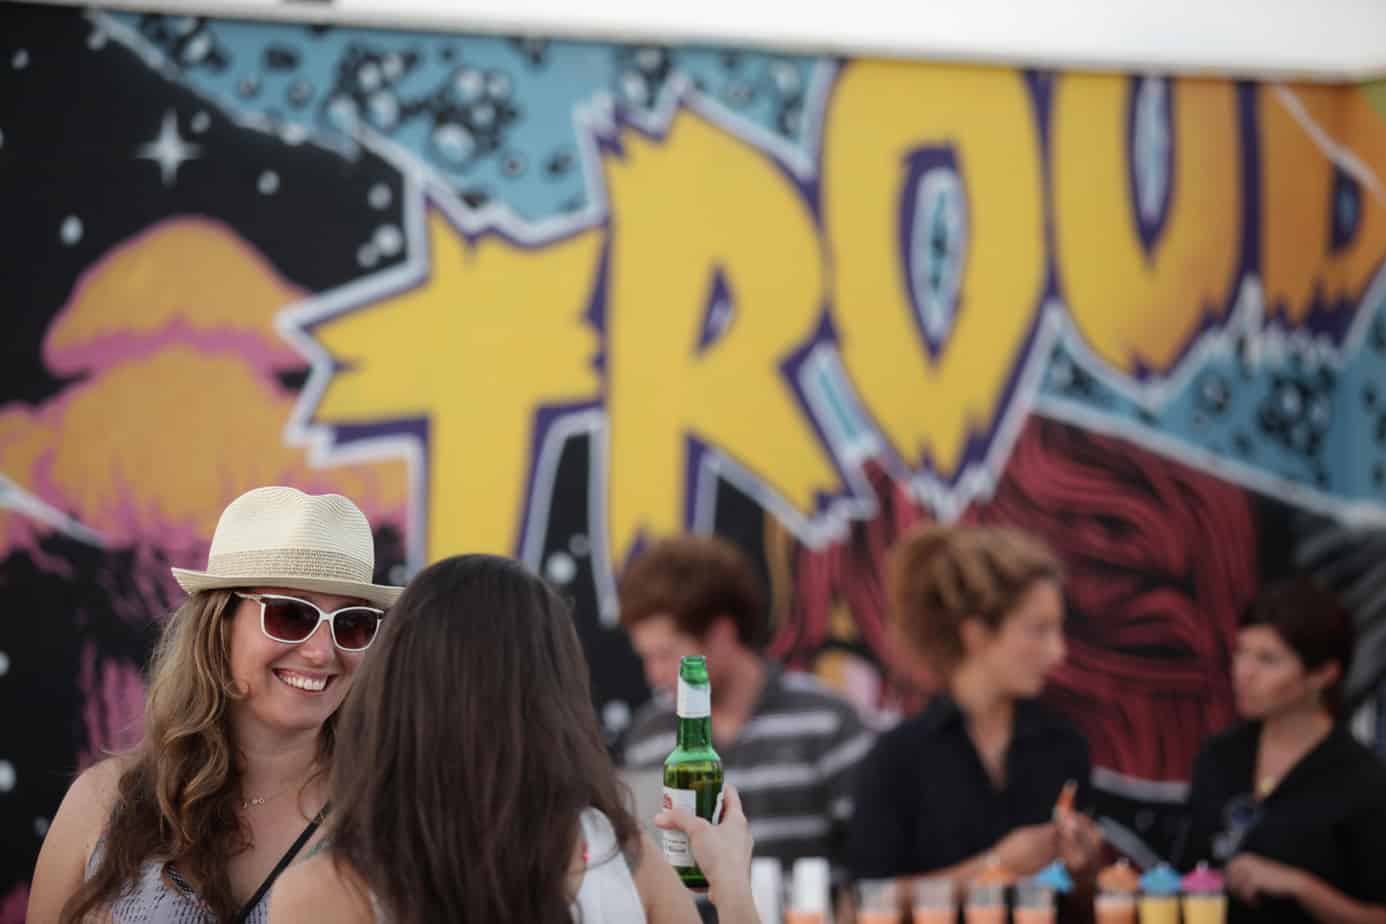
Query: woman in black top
x=1288, y=801
x=975, y=778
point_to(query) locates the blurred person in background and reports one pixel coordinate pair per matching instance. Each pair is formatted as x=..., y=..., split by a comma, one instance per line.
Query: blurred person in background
x=1287, y=799
x=973, y=781
x=788, y=743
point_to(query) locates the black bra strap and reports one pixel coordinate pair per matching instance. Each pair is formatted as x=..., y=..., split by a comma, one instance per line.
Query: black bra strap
x=279, y=867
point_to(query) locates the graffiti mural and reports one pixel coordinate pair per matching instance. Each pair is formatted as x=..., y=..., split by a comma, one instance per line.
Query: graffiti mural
x=553, y=298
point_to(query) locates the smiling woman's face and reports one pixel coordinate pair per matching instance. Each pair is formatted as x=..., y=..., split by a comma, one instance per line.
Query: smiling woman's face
x=288, y=687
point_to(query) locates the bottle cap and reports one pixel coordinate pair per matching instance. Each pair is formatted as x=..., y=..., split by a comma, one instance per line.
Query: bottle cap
x=809, y=889
x=1056, y=877
x=1203, y=881
x=1160, y=881
x=767, y=888
x=1119, y=877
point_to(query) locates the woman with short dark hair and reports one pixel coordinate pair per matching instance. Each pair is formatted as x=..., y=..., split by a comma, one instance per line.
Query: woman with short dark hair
x=1288, y=800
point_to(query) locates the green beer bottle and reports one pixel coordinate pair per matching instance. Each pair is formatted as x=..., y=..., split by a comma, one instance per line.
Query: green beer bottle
x=693, y=771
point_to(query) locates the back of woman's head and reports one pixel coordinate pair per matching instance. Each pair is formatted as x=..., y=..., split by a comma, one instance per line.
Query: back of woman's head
x=941, y=576
x=468, y=748
x=1313, y=623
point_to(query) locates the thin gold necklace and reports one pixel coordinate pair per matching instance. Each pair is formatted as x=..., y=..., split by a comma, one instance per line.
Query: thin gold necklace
x=261, y=800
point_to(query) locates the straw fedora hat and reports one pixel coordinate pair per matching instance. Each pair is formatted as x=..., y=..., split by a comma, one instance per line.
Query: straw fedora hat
x=282, y=537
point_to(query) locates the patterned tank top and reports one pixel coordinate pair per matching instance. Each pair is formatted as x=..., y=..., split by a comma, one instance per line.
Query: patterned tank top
x=161, y=896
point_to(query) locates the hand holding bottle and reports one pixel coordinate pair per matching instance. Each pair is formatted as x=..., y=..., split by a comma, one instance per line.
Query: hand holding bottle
x=723, y=851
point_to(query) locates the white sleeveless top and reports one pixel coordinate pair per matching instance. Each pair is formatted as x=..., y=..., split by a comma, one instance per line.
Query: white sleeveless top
x=607, y=894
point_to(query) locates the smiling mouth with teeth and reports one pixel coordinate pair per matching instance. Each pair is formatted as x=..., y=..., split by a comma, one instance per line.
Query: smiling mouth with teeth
x=307, y=684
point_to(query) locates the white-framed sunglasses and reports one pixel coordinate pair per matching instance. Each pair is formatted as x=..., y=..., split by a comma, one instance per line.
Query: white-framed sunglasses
x=292, y=621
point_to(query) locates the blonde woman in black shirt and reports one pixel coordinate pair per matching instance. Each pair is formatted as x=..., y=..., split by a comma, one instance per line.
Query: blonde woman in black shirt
x=974, y=779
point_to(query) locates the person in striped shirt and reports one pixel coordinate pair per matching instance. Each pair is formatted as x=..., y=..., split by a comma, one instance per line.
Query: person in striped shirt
x=787, y=742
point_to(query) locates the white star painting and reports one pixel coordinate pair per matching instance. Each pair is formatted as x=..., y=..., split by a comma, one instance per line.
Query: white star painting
x=169, y=150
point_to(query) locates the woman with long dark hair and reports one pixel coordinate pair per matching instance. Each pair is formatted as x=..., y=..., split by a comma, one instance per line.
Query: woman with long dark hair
x=472, y=783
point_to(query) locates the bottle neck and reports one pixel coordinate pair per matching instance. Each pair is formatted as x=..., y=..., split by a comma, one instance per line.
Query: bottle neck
x=695, y=734
x=694, y=709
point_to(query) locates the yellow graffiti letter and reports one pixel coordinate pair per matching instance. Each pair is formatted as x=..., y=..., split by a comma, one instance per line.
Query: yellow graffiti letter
x=1300, y=262
x=697, y=219
x=493, y=334
x=882, y=116
x=1136, y=307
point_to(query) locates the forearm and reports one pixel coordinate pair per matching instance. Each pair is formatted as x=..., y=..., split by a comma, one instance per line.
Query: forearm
x=736, y=908
x=1330, y=906
x=959, y=873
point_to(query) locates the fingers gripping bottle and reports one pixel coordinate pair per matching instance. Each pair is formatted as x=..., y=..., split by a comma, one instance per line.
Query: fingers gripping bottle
x=693, y=771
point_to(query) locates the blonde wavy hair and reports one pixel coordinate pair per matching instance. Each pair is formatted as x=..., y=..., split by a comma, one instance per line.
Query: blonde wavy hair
x=177, y=801
x=941, y=576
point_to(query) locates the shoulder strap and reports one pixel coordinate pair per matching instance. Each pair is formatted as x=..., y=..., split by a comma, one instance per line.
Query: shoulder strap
x=279, y=867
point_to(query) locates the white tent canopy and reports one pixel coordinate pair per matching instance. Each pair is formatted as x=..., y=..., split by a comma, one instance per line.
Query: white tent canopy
x=1332, y=40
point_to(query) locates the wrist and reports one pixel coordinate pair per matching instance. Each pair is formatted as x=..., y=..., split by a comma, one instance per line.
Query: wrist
x=1300, y=885
x=734, y=904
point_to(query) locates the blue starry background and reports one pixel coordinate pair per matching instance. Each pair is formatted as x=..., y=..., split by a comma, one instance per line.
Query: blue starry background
x=494, y=115
x=1315, y=421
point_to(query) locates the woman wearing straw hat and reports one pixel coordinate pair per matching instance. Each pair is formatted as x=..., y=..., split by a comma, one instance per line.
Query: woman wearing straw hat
x=229, y=783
